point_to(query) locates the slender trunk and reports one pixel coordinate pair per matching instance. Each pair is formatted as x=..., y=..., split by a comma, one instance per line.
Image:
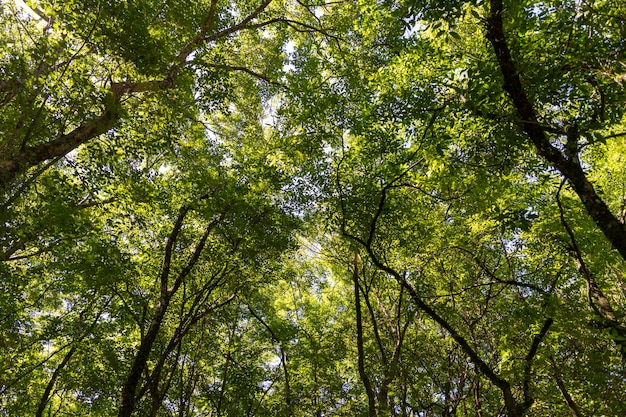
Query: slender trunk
x=46, y=395
x=128, y=398
x=186, y=324
x=371, y=396
x=568, y=398
x=390, y=374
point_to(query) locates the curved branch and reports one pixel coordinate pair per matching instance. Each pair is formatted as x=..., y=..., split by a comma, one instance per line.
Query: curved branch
x=249, y=72
x=244, y=24
x=599, y=302
x=571, y=168
x=528, y=400
x=513, y=407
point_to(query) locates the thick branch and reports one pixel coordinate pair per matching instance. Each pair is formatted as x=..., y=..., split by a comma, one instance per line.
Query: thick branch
x=12, y=166
x=569, y=167
x=29, y=156
x=167, y=257
x=504, y=386
x=18, y=163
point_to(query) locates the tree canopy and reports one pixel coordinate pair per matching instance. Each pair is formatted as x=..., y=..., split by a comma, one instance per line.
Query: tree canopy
x=313, y=208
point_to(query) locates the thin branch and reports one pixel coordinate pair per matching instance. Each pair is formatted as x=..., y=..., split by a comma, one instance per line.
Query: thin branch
x=283, y=358
x=483, y=266
x=599, y=302
x=244, y=24
x=55, y=375
x=248, y=71
x=615, y=135
x=502, y=384
x=537, y=339
x=513, y=407
x=383, y=354
x=566, y=396
x=198, y=39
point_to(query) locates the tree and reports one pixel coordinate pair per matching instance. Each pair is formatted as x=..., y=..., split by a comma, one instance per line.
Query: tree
x=424, y=142
x=273, y=207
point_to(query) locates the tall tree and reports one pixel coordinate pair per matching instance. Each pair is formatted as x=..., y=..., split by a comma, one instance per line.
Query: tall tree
x=273, y=207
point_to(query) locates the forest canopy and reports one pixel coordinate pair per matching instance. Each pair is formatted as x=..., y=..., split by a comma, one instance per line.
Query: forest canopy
x=313, y=208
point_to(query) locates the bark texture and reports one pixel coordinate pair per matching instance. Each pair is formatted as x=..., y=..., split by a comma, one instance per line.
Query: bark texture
x=568, y=166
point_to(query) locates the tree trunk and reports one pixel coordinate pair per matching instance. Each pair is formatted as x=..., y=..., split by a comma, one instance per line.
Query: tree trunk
x=371, y=396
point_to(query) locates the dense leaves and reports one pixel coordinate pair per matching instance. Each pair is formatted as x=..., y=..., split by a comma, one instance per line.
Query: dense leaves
x=293, y=208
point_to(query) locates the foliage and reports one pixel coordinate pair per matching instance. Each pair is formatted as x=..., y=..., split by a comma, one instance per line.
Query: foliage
x=293, y=208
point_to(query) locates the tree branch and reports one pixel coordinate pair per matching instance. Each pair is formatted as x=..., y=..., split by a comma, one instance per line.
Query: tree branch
x=248, y=71
x=513, y=407
x=12, y=166
x=283, y=359
x=568, y=398
x=537, y=339
x=598, y=302
x=127, y=397
x=571, y=168
x=244, y=24
x=371, y=397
